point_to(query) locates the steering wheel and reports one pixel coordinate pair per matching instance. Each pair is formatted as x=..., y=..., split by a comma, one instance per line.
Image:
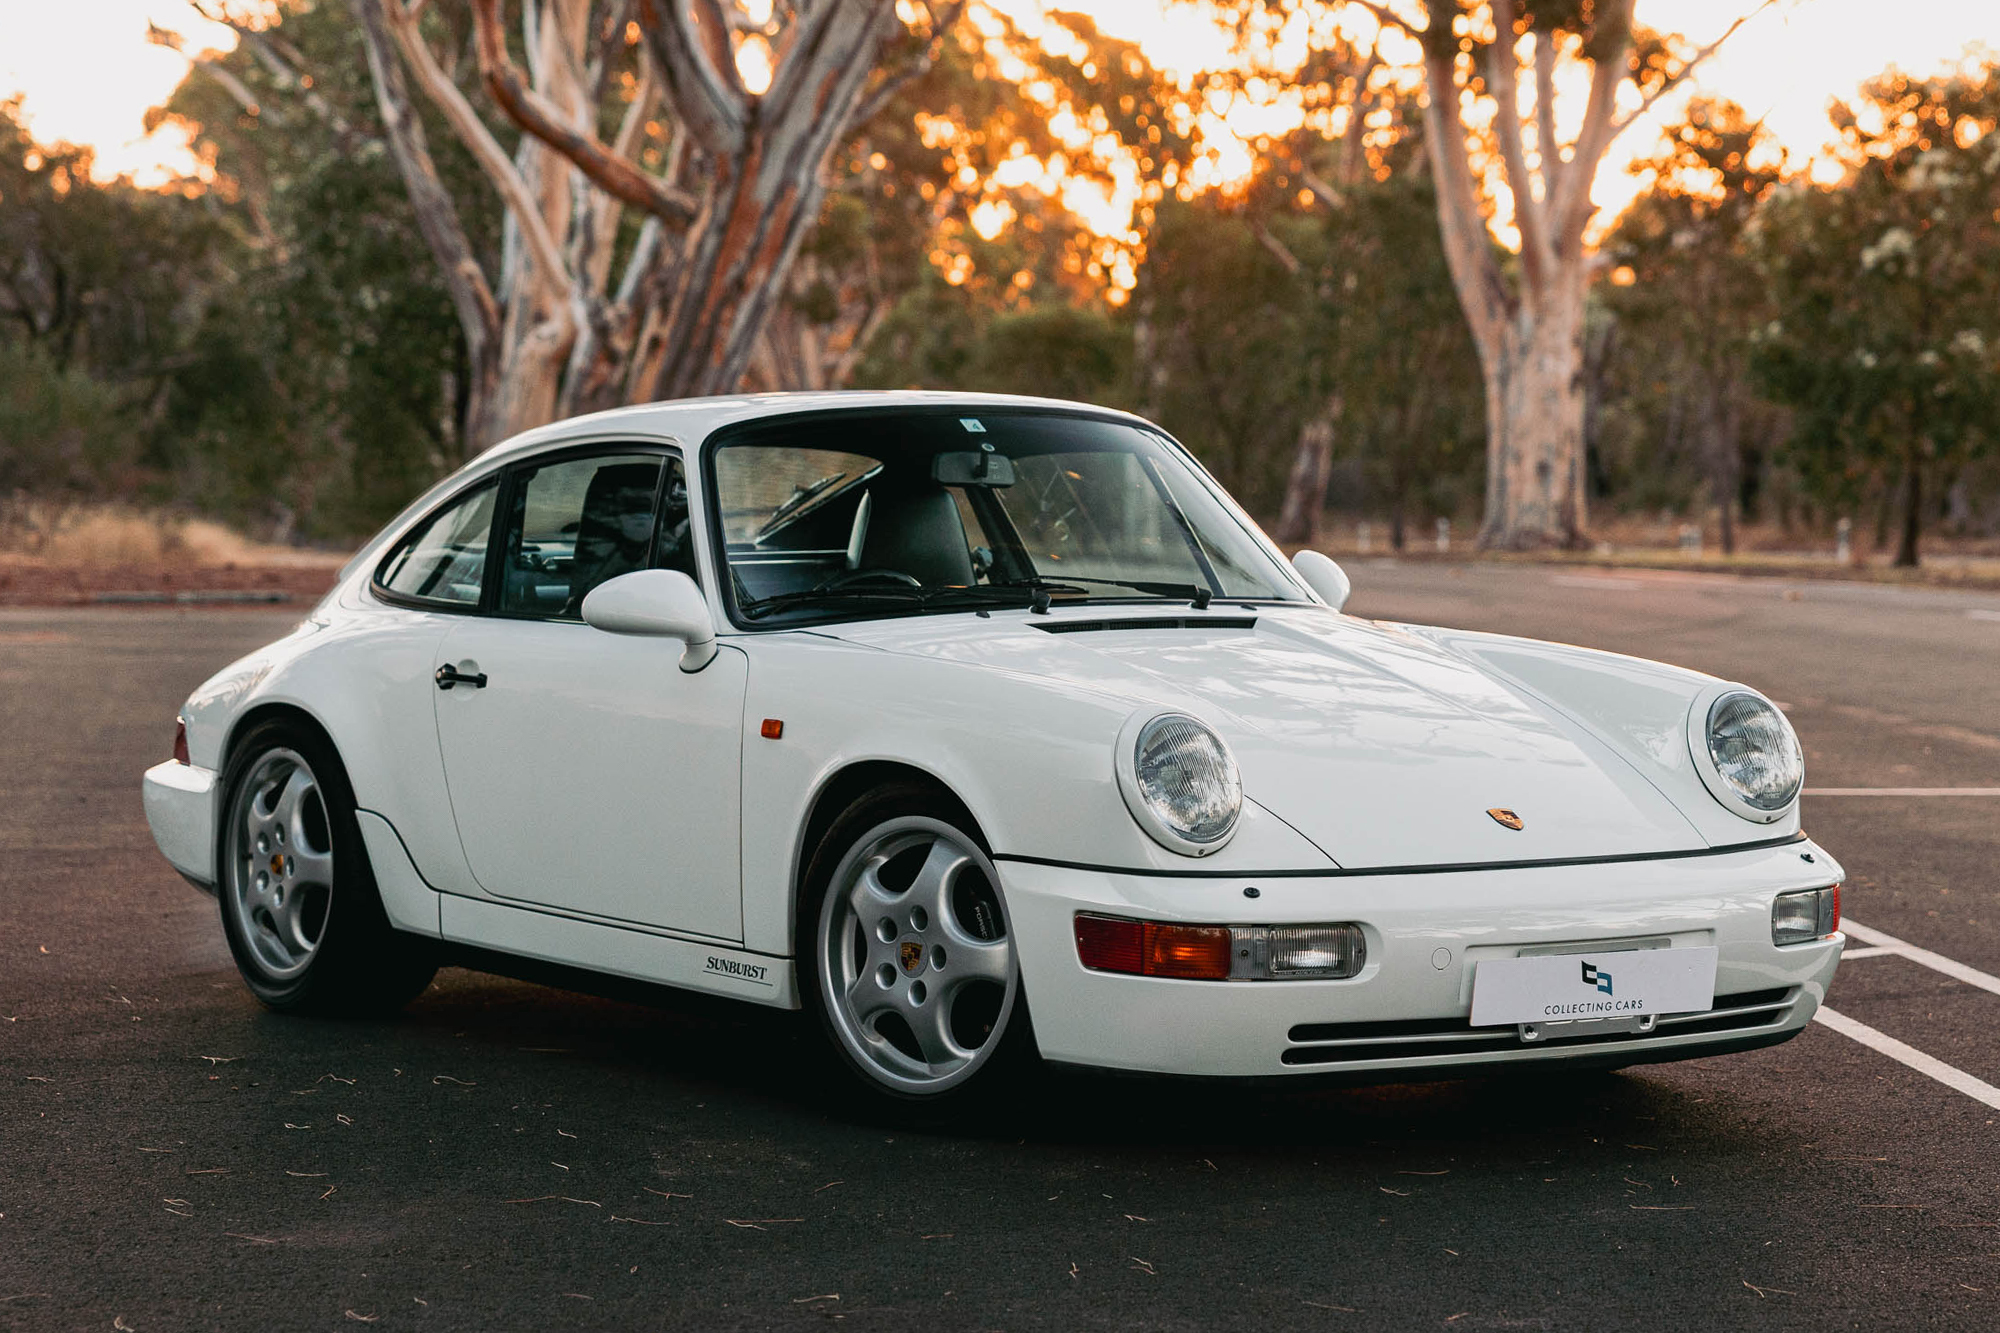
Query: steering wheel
x=854, y=577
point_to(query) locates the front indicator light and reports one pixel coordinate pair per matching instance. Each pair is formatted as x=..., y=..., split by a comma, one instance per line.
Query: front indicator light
x=1152, y=948
x=1810, y=914
x=1219, y=953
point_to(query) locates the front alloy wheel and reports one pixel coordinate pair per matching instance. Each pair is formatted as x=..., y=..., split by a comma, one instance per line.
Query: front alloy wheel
x=917, y=975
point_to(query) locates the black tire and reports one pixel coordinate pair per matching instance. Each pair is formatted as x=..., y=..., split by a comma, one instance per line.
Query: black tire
x=976, y=918
x=335, y=953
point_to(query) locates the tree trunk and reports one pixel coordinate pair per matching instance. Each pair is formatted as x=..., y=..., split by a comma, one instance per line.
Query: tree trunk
x=727, y=291
x=1305, y=488
x=1913, y=508
x=438, y=221
x=1528, y=320
x=1722, y=443
x=1534, y=425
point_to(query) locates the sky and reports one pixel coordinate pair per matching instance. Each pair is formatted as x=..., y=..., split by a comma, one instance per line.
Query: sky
x=87, y=73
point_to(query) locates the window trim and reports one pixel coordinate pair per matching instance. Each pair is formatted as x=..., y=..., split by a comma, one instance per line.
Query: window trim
x=505, y=480
x=717, y=440
x=718, y=548
x=490, y=593
x=416, y=602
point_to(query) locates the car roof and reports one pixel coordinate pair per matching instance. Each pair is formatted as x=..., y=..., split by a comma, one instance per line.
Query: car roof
x=692, y=420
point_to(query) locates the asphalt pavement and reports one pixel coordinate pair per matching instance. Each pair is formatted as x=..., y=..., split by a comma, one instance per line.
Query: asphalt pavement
x=512, y=1156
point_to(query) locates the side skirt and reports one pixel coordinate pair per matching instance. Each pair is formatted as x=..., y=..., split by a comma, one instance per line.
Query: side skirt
x=634, y=955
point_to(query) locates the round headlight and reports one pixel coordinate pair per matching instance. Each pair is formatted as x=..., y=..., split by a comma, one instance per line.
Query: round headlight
x=1183, y=784
x=1754, y=751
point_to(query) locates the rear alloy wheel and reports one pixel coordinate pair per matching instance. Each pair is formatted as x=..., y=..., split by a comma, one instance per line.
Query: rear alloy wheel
x=914, y=959
x=299, y=903
x=280, y=880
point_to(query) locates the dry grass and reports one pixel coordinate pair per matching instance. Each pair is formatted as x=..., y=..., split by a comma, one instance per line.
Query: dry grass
x=1623, y=542
x=98, y=536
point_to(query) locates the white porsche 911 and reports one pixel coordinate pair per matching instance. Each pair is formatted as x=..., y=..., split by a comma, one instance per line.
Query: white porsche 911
x=924, y=711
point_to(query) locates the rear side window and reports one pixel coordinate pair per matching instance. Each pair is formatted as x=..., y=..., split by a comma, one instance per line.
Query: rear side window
x=444, y=560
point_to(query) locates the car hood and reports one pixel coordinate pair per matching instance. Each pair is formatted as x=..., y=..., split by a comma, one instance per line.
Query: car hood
x=1382, y=747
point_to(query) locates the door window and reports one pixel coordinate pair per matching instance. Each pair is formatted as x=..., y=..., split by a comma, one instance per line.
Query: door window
x=584, y=521
x=444, y=560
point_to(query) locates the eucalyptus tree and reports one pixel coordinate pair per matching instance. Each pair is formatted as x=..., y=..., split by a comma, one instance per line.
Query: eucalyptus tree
x=710, y=123
x=1526, y=312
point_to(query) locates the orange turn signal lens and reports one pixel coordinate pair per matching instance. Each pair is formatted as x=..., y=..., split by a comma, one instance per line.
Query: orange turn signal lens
x=1152, y=948
x=1193, y=953
x=773, y=729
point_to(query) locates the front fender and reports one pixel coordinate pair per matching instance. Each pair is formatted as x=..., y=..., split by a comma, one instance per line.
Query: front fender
x=1032, y=758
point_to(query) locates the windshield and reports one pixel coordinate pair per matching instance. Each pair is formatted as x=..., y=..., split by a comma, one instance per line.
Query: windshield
x=873, y=514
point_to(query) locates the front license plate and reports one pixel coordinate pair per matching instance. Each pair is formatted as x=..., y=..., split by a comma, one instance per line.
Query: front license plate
x=1566, y=987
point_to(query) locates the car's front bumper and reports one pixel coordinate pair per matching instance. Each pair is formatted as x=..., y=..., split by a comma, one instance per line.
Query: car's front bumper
x=1406, y=1014
x=180, y=808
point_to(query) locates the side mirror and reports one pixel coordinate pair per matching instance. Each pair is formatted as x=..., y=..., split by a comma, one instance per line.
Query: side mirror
x=1320, y=572
x=662, y=602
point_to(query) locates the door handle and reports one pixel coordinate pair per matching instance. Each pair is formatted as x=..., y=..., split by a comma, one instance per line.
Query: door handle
x=448, y=676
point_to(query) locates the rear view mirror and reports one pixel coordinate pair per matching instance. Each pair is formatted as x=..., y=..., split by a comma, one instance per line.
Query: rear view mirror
x=1324, y=577
x=662, y=602
x=973, y=467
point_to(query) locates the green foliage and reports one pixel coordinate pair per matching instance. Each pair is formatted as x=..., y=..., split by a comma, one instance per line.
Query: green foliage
x=1368, y=327
x=320, y=389
x=1679, y=423
x=95, y=276
x=60, y=429
x=276, y=346
x=1236, y=363
x=1057, y=351
x=97, y=285
x=1885, y=336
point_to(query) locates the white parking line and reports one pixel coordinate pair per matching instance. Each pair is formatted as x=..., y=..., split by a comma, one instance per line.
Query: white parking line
x=1982, y=614
x=1937, y=962
x=1903, y=791
x=1929, y=1066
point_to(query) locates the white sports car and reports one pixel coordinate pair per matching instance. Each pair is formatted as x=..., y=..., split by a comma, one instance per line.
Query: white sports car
x=921, y=711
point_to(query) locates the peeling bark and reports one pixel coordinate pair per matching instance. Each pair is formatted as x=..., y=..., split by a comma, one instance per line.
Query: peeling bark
x=437, y=219
x=567, y=325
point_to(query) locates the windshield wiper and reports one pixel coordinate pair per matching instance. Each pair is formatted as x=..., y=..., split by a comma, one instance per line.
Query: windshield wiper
x=1176, y=591
x=784, y=601
x=799, y=495
x=980, y=594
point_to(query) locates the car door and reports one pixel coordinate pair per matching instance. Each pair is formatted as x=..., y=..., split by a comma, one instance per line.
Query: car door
x=586, y=771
